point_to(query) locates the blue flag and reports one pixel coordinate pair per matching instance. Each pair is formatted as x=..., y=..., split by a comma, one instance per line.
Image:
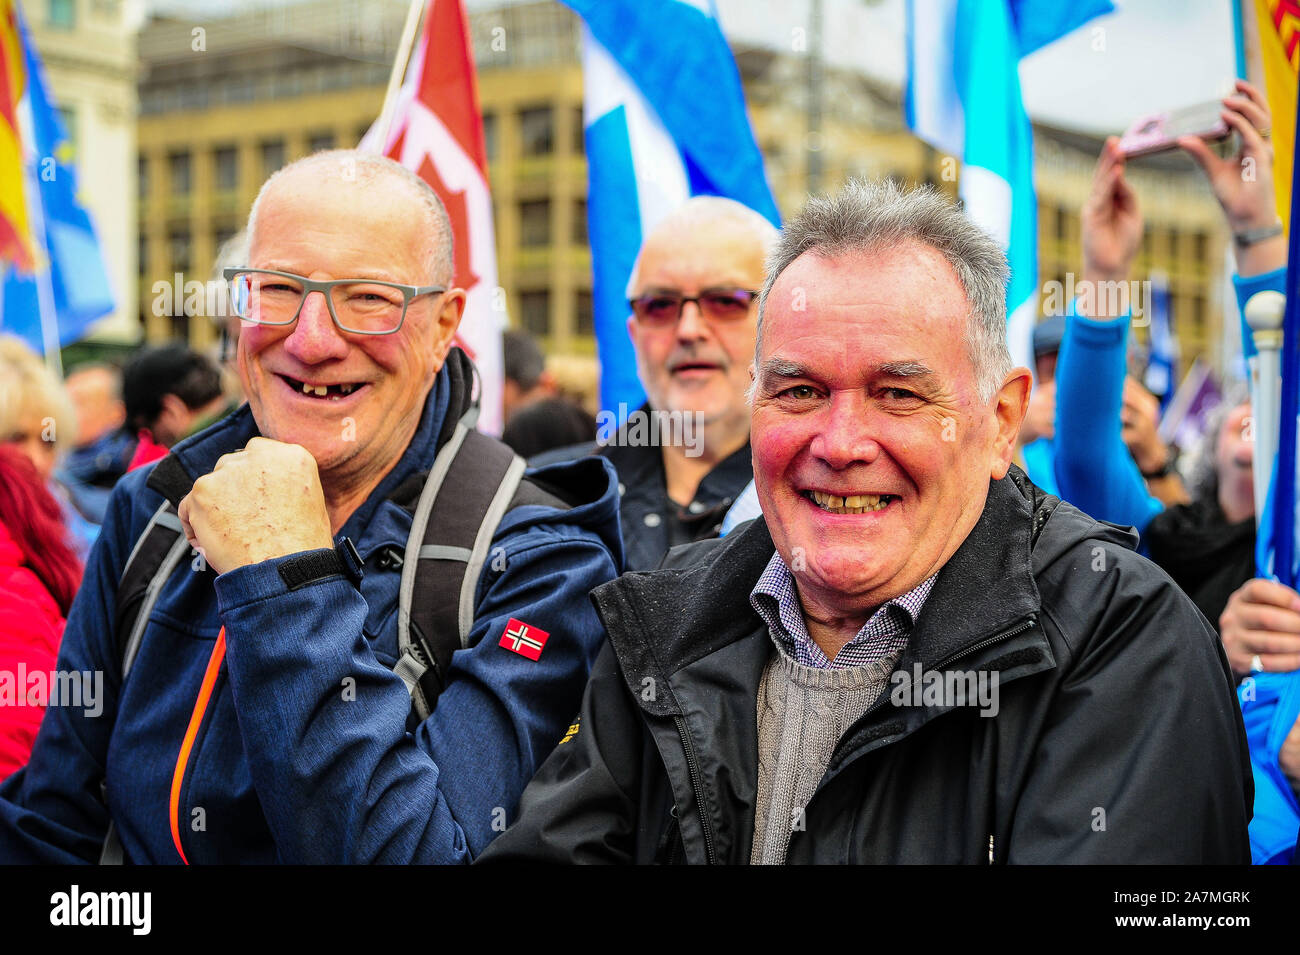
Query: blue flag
x=963, y=97
x=1270, y=706
x=665, y=120
x=1162, y=364
x=70, y=263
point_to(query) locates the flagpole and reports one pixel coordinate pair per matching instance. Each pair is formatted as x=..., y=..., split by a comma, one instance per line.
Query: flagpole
x=1264, y=314
x=404, y=47
x=45, y=296
x=1239, y=37
x=1284, y=495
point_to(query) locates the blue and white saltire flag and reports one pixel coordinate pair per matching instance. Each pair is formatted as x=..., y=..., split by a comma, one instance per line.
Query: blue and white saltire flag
x=665, y=120
x=1162, y=364
x=70, y=286
x=963, y=97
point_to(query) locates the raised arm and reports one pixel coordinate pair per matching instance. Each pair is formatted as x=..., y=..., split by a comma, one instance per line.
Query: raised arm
x=1094, y=468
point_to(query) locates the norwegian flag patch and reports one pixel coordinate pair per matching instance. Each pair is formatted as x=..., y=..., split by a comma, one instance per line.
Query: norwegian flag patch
x=524, y=639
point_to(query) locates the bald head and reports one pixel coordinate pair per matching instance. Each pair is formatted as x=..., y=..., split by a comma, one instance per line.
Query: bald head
x=711, y=251
x=355, y=170
x=701, y=219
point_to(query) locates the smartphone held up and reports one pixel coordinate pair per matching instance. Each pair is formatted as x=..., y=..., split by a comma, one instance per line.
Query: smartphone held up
x=1159, y=132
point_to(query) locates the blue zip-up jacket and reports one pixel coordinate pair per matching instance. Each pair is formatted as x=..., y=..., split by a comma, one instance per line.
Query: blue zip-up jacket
x=304, y=755
x=1094, y=469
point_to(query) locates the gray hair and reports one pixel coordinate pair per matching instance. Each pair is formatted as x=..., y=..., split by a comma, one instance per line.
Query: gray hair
x=1203, y=472
x=869, y=216
x=353, y=165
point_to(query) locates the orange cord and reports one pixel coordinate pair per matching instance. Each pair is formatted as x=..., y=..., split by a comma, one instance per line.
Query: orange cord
x=196, y=720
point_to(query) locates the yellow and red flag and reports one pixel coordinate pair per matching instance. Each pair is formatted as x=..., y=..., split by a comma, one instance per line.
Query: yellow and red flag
x=1278, y=28
x=15, y=237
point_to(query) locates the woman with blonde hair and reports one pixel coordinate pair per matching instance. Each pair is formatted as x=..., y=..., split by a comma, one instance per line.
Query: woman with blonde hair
x=35, y=414
x=37, y=419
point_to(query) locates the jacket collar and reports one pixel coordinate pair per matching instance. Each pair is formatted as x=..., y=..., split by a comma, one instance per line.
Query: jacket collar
x=985, y=588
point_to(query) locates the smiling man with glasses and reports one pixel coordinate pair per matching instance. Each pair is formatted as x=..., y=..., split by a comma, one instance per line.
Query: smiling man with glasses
x=693, y=304
x=279, y=604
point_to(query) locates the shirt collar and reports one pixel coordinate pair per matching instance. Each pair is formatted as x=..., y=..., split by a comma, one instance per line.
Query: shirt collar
x=775, y=598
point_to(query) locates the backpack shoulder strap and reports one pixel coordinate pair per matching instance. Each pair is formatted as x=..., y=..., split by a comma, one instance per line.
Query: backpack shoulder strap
x=451, y=535
x=153, y=558
x=155, y=555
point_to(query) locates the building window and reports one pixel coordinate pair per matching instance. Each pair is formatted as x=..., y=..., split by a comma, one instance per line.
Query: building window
x=193, y=96
x=490, y=135
x=69, y=117
x=178, y=250
x=142, y=255
x=1200, y=245
x=536, y=131
x=141, y=177
x=579, y=233
x=226, y=161
x=584, y=314
x=62, y=13
x=178, y=169
x=579, y=133
x=272, y=156
x=319, y=142
x=535, y=312
x=535, y=223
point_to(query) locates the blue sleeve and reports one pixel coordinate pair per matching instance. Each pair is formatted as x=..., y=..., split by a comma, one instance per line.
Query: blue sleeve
x=323, y=721
x=1094, y=469
x=1245, y=288
x=51, y=810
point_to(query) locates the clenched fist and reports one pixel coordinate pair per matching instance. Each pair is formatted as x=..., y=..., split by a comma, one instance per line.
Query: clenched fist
x=262, y=502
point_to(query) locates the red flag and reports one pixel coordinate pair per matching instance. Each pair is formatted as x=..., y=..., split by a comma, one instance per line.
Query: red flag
x=524, y=639
x=437, y=131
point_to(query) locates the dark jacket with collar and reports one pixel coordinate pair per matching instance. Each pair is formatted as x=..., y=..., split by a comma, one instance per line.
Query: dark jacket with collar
x=303, y=754
x=652, y=522
x=1117, y=737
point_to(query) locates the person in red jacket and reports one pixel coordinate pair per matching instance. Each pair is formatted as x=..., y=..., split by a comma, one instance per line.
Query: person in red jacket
x=39, y=575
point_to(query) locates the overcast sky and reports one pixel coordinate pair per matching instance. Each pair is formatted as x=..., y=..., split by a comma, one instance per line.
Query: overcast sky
x=1154, y=54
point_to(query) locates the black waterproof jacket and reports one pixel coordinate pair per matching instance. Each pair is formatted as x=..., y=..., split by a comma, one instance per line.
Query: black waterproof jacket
x=1117, y=736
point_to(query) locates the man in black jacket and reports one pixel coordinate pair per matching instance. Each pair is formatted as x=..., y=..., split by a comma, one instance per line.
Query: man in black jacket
x=915, y=655
x=683, y=457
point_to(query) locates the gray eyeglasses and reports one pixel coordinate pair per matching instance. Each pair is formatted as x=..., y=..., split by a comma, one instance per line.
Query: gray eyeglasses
x=359, y=306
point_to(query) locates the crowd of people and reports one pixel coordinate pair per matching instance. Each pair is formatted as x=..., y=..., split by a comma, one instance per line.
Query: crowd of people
x=848, y=587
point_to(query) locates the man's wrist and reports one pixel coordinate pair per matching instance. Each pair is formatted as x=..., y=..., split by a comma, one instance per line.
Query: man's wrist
x=1247, y=234
x=1096, y=274
x=1156, y=472
x=324, y=562
x=1096, y=293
